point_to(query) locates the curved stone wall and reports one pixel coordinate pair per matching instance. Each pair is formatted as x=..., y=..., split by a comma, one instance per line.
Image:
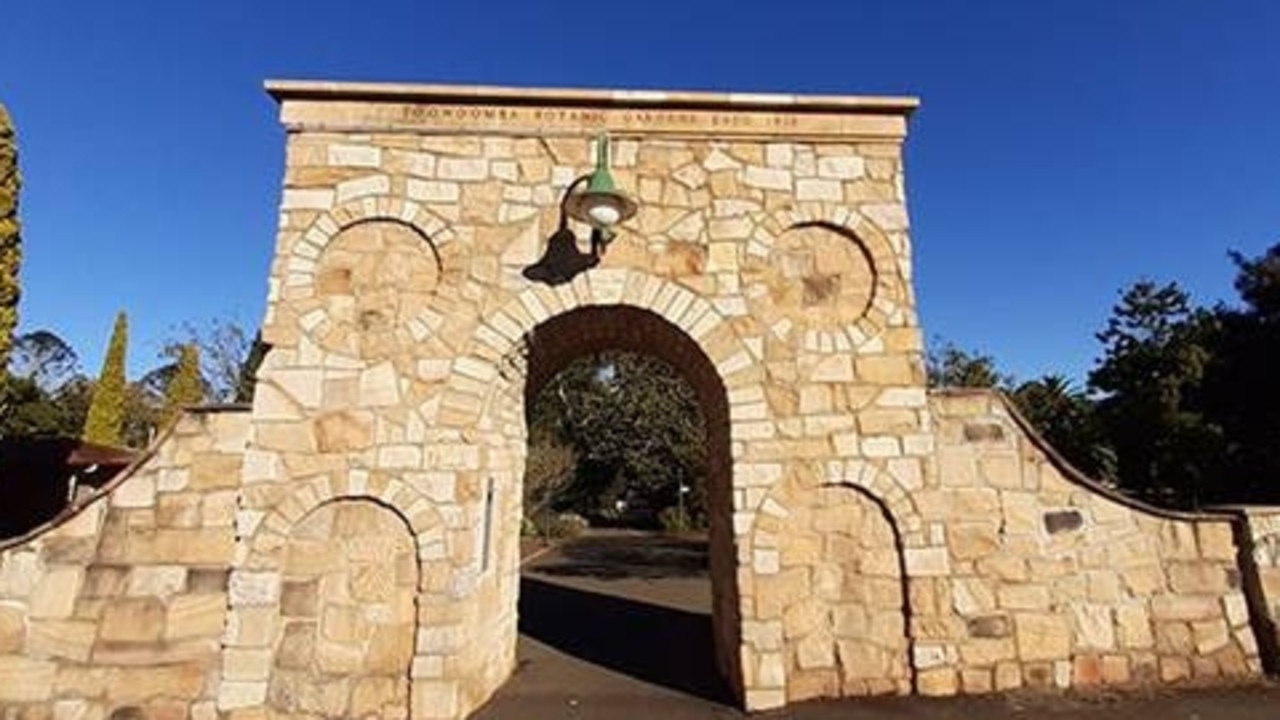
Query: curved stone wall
x=122, y=604
x=1052, y=581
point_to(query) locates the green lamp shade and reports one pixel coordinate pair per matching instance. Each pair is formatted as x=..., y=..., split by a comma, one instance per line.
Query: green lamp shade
x=601, y=205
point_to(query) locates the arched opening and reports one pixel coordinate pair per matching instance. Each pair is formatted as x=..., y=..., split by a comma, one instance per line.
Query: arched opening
x=662, y=609
x=840, y=592
x=347, y=614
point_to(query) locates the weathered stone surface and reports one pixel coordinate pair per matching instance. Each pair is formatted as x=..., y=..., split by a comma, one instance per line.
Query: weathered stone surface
x=55, y=593
x=13, y=630
x=26, y=679
x=66, y=639
x=133, y=620
x=191, y=616
x=1042, y=636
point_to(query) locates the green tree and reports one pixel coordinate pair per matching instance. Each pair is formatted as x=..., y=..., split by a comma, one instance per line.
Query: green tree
x=43, y=393
x=228, y=357
x=635, y=428
x=106, y=414
x=10, y=237
x=1156, y=348
x=1067, y=419
x=1242, y=384
x=45, y=358
x=185, y=386
x=549, y=469
x=949, y=365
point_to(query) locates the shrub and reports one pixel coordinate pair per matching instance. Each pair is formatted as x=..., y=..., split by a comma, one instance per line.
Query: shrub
x=675, y=520
x=555, y=525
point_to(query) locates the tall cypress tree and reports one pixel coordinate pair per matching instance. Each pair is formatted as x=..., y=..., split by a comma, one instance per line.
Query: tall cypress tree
x=10, y=237
x=106, y=411
x=185, y=387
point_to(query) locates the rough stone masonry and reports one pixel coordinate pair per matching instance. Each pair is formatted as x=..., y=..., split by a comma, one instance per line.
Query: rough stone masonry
x=348, y=547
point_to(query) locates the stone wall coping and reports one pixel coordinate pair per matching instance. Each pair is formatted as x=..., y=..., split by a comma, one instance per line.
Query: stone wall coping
x=1240, y=509
x=282, y=90
x=1074, y=475
x=128, y=471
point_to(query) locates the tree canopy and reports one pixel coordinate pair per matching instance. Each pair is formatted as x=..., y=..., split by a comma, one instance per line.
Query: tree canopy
x=186, y=387
x=632, y=428
x=46, y=394
x=1180, y=407
x=10, y=236
x=106, y=416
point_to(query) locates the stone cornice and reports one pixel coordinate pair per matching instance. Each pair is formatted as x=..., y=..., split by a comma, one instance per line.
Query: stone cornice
x=314, y=105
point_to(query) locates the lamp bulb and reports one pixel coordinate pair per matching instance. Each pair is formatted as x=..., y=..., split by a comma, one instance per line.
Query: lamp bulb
x=604, y=215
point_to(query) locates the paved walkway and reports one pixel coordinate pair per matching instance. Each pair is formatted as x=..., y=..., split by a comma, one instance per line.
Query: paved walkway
x=616, y=626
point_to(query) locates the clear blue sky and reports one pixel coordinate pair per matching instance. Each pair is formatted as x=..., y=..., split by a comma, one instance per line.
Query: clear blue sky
x=1063, y=150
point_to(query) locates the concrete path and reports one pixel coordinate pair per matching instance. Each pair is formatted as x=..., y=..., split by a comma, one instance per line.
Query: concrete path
x=616, y=625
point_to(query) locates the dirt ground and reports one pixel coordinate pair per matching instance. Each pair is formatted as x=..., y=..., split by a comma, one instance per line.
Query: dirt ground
x=616, y=625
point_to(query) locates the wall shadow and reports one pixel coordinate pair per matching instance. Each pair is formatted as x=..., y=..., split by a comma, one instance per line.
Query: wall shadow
x=615, y=557
x=659, y=645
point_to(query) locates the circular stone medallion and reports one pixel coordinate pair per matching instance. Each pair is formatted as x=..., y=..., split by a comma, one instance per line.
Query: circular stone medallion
x=374, y=280
x=823, y=278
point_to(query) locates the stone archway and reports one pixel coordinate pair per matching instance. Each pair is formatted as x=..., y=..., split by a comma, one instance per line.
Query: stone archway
x=523, y=344
x=562, y=338
x=769, y=259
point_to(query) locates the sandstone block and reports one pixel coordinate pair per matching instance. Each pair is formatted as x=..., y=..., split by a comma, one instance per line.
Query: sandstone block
x=133, y=620
x=1210, y=636
x=254, y=588
x=970, y=541
x=816, y=652
x=1008, y=676
x=987, y=652
x=927, y=562
x=191, y=616
x=1197, y=577
x=55, y=593
x=1030, y=596
x=66, y=639
x=158, y=580
x=241, y=664
x=1216, y=542
x=378, y=696
x=13, y=630
x=138, y=491
x=766, y=178
x=343, y=431
x=439, y=698
x=390, y=650
x=235, y=695
x=26, y=679
x=1094, y=627
x=1042, y=636
x=937, y=682
x=833, y=369
x=764, y=699
x=841, y=167
x=1184, y=607
x=1133, y=625
x=974, y=681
